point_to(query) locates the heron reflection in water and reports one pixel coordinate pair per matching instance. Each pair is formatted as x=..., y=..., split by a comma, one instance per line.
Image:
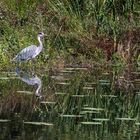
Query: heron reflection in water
x=35, y=80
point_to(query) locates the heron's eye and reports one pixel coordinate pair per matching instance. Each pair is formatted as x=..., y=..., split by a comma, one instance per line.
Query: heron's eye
x=40, y=33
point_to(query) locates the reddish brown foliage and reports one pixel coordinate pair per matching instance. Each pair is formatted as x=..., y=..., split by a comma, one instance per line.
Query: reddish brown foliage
x=127, y=40
x=107, y=45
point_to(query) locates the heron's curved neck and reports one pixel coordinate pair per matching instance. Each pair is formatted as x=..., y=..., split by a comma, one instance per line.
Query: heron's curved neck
x=40, y=42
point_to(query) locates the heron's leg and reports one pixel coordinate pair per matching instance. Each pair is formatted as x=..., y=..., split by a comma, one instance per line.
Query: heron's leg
x=30, y=65
x=17, y=70
x=33, y=67
x=33, y=71
x=18, y=65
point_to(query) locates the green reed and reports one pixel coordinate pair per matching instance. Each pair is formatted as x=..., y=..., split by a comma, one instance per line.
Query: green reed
x=67, y=23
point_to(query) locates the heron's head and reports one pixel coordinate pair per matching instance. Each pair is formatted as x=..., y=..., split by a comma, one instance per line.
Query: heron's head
x=40, y=35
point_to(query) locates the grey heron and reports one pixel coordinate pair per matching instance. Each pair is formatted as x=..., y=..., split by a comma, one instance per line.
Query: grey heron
x=30, y=51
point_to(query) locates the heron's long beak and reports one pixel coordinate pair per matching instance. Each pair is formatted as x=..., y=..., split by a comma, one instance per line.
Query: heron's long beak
x=45, y=35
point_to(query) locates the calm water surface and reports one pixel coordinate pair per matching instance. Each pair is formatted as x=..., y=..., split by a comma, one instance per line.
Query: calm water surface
x=70, y=104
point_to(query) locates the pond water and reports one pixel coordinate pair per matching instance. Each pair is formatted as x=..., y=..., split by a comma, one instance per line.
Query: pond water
x=102, y=102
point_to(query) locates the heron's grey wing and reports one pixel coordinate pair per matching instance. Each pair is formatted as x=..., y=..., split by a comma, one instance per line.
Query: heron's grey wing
x=26, y=53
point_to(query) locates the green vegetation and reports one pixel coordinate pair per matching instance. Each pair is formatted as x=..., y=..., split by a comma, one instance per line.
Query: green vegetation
x=92, y=29
x=90, y=83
